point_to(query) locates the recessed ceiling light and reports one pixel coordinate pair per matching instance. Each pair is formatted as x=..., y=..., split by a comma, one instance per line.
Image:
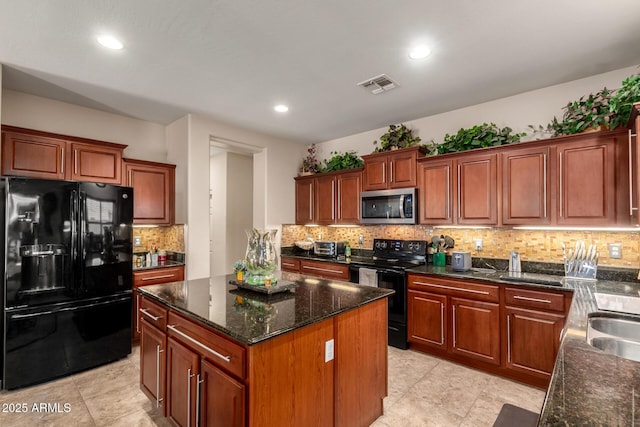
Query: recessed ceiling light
x=281, y=108
x=419, y=52
x=110, y=42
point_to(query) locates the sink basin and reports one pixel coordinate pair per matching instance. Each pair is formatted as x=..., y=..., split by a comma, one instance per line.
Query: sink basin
x=614, y=335
x=620, y=328
x=621, y=348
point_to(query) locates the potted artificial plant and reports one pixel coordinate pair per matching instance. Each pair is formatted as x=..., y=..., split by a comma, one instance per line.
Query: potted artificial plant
x=622, y=101
x=310, y=164
x=340, y=161
x=589, y=113
x=479, y=136
x=398, y=136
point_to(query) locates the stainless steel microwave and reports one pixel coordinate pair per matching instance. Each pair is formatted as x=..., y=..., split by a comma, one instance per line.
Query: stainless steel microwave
x=398, y=206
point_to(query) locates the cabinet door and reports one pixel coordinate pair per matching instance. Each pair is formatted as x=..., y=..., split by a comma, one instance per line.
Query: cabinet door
x=586, y=182
x=95, y=163
x=435, y=192
x=153, y=344
x=476, y=330
x=525, y=191
x=33, y=156
x=325, y=197
x=533, y=339
x=329, y=270
x=182, y=370
x=477, y=188
x=222, y=399
x=426, y=319
x=153, y=192
x=375, y=174
x=348, y=198
x=158, y=275
x=402, y=169
x=304, y=201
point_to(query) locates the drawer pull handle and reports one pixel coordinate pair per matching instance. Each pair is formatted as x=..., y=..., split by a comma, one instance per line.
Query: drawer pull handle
x=146, y=312
x=198, y=343
x=473, y=291
x=166, y=276
x=322, y=269
x=545, y=301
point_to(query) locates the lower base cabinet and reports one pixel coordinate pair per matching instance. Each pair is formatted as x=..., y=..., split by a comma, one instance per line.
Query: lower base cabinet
x=153, y=344
x=183, y=383
x=222, y=398
x=476, y=330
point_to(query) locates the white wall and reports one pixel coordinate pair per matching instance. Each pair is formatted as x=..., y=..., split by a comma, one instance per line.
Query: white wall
x=239, y=206
x=145, y=140
x=530, y=108
x=177, y=137
x=218, y=213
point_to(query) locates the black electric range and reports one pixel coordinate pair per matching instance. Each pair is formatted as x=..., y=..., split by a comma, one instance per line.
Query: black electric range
x=390, y=260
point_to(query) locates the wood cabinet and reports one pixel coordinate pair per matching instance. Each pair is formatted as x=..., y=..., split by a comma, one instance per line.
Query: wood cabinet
x=153, y=191
x=586, y=182
x=477, y=183
x=435, y=192
x=476, y=330
x=305, y=205
x=290, y=264
x=428, y=314
x=392, y=169
x=151, y=277
x=327, y=270
x=183, y=379
x=222, y=398
x=337, y=198
x=37, y=154
x=634, y=164
x=526, y=198
x=454, y=317
x=534, y=323
x=153, y=344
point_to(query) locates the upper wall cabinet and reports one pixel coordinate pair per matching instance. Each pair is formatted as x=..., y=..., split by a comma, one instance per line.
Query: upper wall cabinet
x=392, y=169
x=37, y=154
x=435, y=194
x=634, y=163
x=526, y=198
x=329, y=198
x=153, y=191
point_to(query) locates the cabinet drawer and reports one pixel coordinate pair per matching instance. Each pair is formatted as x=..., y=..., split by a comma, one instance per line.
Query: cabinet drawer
x=159, y=275
x=290, y=264
x=154, y=313
x=534, y=299
x=475, y=291
x=329, y=270
x=217, y=349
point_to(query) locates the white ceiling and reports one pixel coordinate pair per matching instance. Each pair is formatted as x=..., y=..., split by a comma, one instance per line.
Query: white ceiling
x=233, y=60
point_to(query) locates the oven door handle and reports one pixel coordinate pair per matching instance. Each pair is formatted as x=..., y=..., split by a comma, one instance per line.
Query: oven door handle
x=389, y=271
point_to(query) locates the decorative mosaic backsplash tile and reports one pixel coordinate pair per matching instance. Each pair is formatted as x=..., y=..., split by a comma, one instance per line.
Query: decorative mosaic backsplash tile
x=544, y=246
x=169, y=238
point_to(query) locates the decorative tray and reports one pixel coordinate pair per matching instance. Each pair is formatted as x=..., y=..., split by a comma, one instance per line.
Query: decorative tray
x=280, y=286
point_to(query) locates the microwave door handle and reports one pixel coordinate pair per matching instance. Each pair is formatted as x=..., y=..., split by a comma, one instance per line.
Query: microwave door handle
x=401, y=206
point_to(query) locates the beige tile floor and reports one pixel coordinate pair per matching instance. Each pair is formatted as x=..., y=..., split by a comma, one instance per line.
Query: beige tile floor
x=423, y=391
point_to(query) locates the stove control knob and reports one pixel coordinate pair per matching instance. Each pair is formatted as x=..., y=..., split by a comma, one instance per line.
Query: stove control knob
x=417, y=247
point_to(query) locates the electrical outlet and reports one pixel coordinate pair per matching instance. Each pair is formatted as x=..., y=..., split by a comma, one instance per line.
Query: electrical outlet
x=328, y=351
x=478, y=244
x=137, y=241
x=615, y=250
x=361, y=240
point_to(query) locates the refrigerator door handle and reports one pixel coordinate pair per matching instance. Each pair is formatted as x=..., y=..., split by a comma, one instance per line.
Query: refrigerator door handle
x=42, y=313
x=74, y=226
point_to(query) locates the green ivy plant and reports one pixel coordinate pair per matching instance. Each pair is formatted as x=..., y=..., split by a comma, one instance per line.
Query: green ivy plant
x=479, y=136
x=592, y=111
x=340, y=161
x=398, y=136
x=622, y=101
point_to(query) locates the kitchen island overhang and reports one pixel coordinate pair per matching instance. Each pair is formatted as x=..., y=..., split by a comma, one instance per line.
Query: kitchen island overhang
x=313, y=356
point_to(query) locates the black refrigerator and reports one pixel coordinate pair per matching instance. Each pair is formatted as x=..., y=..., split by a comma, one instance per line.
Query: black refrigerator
x=66, y=269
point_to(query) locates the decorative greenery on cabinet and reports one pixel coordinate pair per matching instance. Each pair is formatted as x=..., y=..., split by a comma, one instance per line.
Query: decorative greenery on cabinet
x=341, y=161
x=479, y=136
x=398, y=136
x=622, y=101
x=588, y=112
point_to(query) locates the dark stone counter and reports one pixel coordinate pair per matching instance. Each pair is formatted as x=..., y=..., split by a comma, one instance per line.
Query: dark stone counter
x=250, y=317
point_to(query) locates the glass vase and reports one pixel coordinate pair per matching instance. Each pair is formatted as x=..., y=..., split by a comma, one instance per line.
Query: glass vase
x=261, y=257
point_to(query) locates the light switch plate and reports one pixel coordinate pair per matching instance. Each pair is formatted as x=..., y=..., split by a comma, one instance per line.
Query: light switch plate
x=478, y=244
x=328, y=351
x=137, y=241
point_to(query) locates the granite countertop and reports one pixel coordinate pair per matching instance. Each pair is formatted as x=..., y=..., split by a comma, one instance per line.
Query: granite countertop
x=251, y=317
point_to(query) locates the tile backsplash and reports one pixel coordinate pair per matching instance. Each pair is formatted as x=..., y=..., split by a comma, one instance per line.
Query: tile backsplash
x=169, y=238
x=543, y=246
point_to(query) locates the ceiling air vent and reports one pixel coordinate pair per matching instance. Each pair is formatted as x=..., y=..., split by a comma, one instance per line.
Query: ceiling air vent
x=378, y=84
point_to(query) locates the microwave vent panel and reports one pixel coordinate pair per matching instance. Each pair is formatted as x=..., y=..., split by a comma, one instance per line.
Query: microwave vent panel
x=378, y=84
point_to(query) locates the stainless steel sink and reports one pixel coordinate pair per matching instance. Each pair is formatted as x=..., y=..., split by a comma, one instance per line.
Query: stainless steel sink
x=614, y=335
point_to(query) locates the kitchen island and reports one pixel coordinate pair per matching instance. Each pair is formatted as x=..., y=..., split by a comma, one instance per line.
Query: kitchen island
x=214, y=354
